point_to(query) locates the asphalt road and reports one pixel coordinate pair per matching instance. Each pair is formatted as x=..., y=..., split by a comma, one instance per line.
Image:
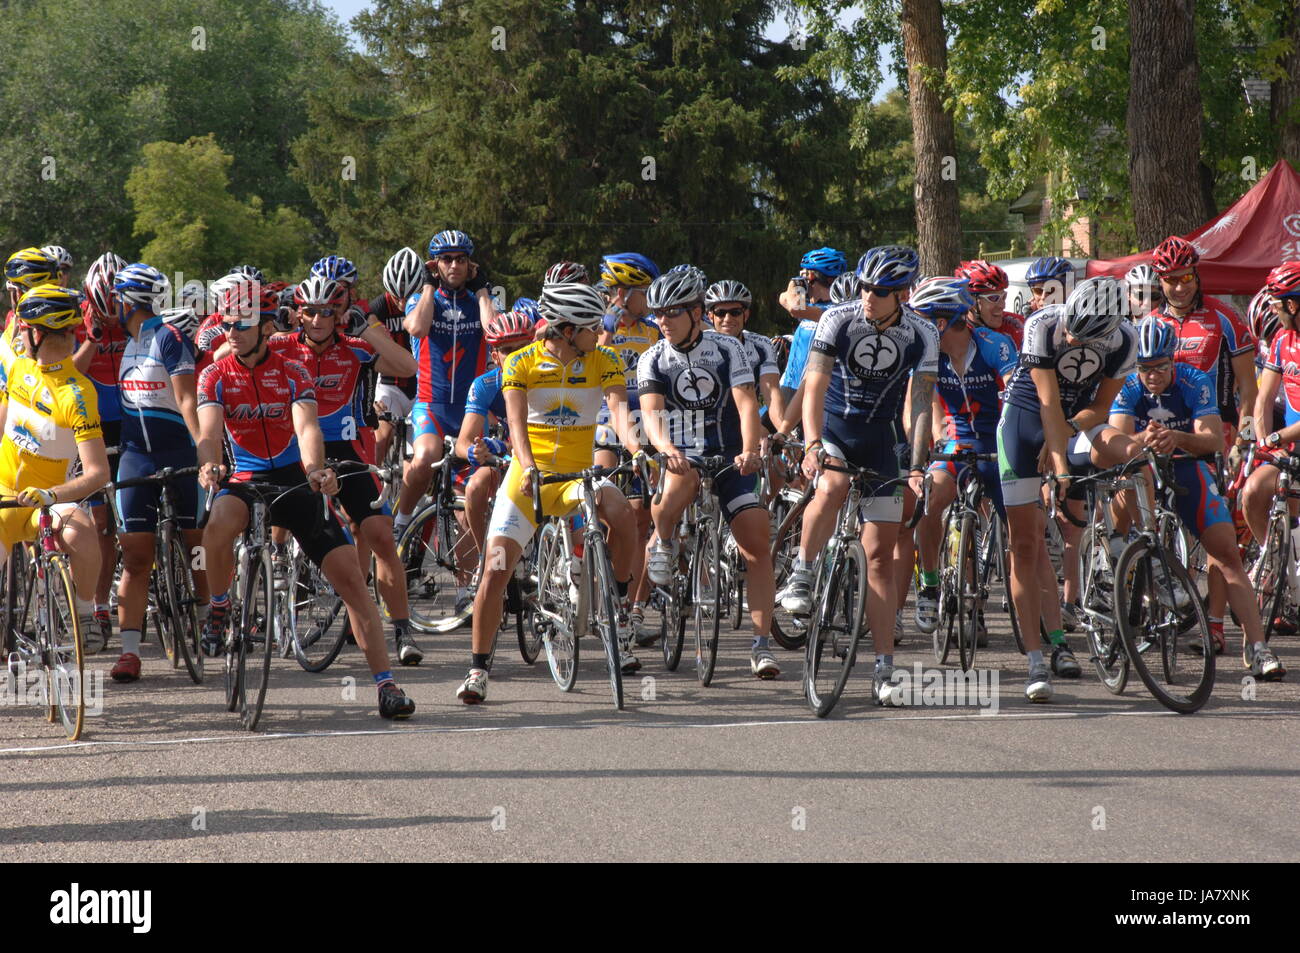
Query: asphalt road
x=737, y=771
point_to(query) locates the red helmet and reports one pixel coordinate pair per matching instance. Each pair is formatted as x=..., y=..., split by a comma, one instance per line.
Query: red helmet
x=1284, y=280
x=1174, y=254
x=507, y=327
x=563, y=271
x=244, y=294
x=983, y=277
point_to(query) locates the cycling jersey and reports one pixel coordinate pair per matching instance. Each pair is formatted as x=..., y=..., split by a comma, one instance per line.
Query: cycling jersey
x=151, y=415
x=971, y=400
x=11, y=347
x=258, y=405
x=1013, y=326
x=385, y=309
x=1208, y=339
x=1284, y=359
x=563, y=402
x=486, y=397
x=105, y=368
x=1080, y=368
x=799, y=344
x=210, y=336
x=629, y=343
x=453, y=353
x=695, y=383
x=51, y=409
x=337, y=371
x=760, y=354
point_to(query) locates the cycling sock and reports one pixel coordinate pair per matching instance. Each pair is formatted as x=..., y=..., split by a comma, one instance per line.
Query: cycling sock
x=85, y=608
x=221, y=601
x=1214, y=622
x=131, y=641
x=1056, y=636
x=1035, y=657
x=760, y=642
x=482, y=660
x=381, y=677
x=1257, y=647
x=800, y=562
x=930, y=578
x=621, y=585
x=401, y=521
x=401, y=627
x=101, y=607
x=884, y=662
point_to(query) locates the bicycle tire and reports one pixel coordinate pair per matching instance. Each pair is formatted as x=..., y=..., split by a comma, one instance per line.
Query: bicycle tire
x=943, y=637
x=256, y=640
x=967, y=590
x=706, y=600
x=605, y=613
x=317, y=616
x=1140, y=614
x=1267, y=576
x=179, y=585
x=554, y=603
x=1106, y=647
x=232, y=680
x=835, y=625
x=427, y=552
x=787, y=631
x=530, y=641
x=65, y=659
x=672, y=615
x=164, y=622
x=13, y=607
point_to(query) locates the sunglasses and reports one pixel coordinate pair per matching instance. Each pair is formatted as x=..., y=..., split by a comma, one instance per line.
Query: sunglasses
x=318, y=312
x=1186, y=279
x=728, y=312
x=878, y=291
x=671, y=313
x=1158, y=368
x=453, y=259
x=994, y=296
x=244, y=324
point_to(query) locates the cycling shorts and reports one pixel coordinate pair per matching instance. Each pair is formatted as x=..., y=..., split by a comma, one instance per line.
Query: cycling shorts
x=1020, y=440
x=112, y=441
x=397, y=400
x=357, y=490
x=988, y=469
x=1202, y=505
x=300, y=512
x=137, y=506
x=439, y=419
x=19, y=524
x=512, y=515
x=875, y=446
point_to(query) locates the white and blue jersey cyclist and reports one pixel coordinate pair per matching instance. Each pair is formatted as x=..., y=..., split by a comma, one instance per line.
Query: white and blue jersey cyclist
x=487, y=400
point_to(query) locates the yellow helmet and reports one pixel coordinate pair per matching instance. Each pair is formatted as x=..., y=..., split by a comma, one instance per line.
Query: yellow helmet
x=30, y=267
x=50, y=306
x=628, y=268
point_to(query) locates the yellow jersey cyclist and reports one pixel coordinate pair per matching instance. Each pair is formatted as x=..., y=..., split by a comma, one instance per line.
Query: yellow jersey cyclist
x=51, y=421
x=553, y=389
x=24, y=270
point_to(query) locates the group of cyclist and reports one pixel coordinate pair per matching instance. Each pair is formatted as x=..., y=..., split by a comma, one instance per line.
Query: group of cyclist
x=260, y=382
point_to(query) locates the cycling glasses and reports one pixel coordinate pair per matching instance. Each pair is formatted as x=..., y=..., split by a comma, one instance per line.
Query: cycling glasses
x=728, y=312
x=242, y=322
x=453, y=259
x=1186, y=279
x=994, y=296
x=318, y=311
x=671, y=312
x=878, y=291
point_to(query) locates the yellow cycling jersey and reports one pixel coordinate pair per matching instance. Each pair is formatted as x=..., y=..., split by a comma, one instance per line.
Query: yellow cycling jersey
x=11, y=347
x=51, y=409
x=629, y=343
x=563, y=401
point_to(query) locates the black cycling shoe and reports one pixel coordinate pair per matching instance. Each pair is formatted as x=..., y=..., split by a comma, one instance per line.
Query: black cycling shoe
x=213, y=640
x=394, y=703
x=1064, y=663
x=408, y=653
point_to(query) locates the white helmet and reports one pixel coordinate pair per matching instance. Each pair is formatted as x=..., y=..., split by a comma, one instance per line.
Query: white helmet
x=404, y=274
x=61, y=255
x=675, y=288
x=182, y=319
x=1095, y=308
x=1142, y=276
x=572, y=303
x=727, y=290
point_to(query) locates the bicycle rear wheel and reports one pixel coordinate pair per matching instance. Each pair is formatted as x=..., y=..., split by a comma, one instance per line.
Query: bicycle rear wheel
x=967, y=591
x=1105, y=646
x=788, y=631
x=1268, y=576
x=530, y=640
x=64, y=662
x=707, y=600
x=835, y=626
x=256, y=640
x=317, y=617
x=556, y=615
x=427, y=550
x=1157, y=634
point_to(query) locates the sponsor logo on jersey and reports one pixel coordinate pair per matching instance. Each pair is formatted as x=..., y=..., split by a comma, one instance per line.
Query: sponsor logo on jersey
x=874, y=355
x=1078, y=364
x=561, y=415
x=257, y=412
x=695, y=387
x=329, y=381
x=138, y=384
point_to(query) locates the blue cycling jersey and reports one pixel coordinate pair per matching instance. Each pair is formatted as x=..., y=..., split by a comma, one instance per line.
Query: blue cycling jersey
x=453, y=353
x=1080, y=367
x=970, y=399
x=696, y=384
x=1189, y=395
x=485, y=397
x=799, y=344
x=151, y=415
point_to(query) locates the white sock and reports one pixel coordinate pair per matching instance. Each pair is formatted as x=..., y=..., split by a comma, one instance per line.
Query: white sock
x=131, y=641
x=85, y=608
x=402, y=520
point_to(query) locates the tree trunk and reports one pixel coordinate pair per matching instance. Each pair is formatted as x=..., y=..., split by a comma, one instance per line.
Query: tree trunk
x=938, y=217
x=1164, y=120
x=1285, y=99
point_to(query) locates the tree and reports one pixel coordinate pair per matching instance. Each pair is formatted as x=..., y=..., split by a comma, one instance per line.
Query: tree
x=181, y=197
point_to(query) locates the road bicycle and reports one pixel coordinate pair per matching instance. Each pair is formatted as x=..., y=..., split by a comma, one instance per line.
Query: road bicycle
x=1275, y=573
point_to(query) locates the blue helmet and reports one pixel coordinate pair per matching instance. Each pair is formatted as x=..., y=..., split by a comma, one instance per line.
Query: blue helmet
x=336, y=268
x=628, y=268
x=826, y=261
x=139, y=286
x=1047, y=269
x=942, y=297
x=528, y=308
x=1156, y=339
x=450, y=240
x=248, y=271
x=889, y=266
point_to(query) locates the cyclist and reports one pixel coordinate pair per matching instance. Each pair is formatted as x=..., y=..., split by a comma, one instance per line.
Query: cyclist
x=987, y=284
x=729, y=303
x=265, y=406
x=1212, y=338
x=1144, y=291
x=806, y=297
x=1170, y=406
x=975, y=362
x=50, y=422
x=553, y=390
x=566, y=270
x=63, y=262
x=1057, y=403
x=404, y=275
x=337, y=363
x=856, y=382
x=159, y=426
x=24, y=270
x=1047, y=279
x=700, y=401
x=446, y=322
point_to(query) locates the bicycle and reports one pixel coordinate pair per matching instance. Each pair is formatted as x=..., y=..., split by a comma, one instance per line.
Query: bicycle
x=788, y=630
x=174, y=605
x=1275, y=573
x=40, y=592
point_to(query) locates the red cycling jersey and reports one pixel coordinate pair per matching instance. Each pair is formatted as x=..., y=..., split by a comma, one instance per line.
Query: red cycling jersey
x=337, y=372
x=1013, y=326
x=1284, y=359
x=258, y=405
x=207, y=339
x=1208, y=339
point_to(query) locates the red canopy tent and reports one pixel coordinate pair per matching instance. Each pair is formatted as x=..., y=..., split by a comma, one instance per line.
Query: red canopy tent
x=1240, y=247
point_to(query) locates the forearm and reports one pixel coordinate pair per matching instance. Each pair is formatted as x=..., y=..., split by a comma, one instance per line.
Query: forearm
x=775, y=402
x=751, y=429
x=391, y=357
x=417, y=323
x=311, y=447
x=652, y=421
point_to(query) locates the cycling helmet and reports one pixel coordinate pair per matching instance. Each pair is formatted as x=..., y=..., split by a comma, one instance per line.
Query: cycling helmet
x=1095, y=308
x=62, y=257
x=572, y=303
x=1262, y=318
x=1284, y=280
x=825, y=261
x=565, y=271
x=844, y=288
x=248, y=271
x=728, y=290
x=30, y=267
x=889, y=266
x=983, y=277
x=1156, y=339
x=507, y=327
x=685, y=269
x=287, y=306
x=98, y=285
x=1174, y=254
x=941, y=298
x=336, y=268
x=404, y=274
x=449, y=241
x=140, y=286
x=51, y=307
x=628, y=268
x=676, y=288
x=182, y=319
x=1049, y=268
x=241, y=295
x=527, y=307
x=1142, y=276
x=318, y=291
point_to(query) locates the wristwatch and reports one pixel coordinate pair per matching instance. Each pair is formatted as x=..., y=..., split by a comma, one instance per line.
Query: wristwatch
x=1273, y=439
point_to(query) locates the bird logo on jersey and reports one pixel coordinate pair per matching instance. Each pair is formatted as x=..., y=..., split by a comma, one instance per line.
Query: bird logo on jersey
x=873, y=355
x=695, y=387
x=1160, y=413
x=1078, y=364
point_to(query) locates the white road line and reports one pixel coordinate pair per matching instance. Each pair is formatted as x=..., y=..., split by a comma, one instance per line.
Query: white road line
x=291, y=735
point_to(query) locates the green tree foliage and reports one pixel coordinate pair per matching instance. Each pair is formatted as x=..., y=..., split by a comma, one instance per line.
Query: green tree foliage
x=181, y=197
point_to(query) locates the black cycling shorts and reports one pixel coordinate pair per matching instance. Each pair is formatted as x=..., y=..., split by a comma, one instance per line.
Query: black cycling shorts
x=300, y=511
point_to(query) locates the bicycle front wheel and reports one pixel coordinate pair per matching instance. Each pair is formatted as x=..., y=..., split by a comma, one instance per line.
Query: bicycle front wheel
x=1268, y=576
x=256, y=640
x=555, y=617
x=707, y=600
x=604, y=612
x=1106, y=648
x=835, y=627
x=181, y=604
x=428, y=549
x=1157, y=630
x=64, y=661
x=967, y=591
